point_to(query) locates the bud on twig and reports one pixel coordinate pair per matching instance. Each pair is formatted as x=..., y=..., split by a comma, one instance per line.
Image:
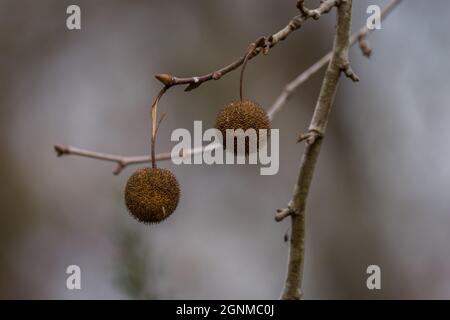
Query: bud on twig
x=165, y=78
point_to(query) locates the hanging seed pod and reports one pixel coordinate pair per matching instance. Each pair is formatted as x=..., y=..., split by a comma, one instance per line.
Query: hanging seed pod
x=152, y=194
x=242, y=115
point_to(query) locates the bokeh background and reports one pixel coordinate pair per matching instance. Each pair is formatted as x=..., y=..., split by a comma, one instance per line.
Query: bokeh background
x=380, y=194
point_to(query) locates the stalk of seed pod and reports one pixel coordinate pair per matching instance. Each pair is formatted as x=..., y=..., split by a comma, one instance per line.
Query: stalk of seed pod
x=152, y=194
x=242, y=114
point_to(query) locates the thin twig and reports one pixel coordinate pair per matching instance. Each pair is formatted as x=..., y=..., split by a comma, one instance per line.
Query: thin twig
x=364, y=46
x=155, y=124
x=364, y=31
x=290, y=88
x=314, y=13
x=283, y=213
x=121, y=161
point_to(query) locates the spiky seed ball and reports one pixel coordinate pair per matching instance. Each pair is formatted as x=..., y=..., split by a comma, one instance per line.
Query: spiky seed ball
x=242, y=115
x=152, y=194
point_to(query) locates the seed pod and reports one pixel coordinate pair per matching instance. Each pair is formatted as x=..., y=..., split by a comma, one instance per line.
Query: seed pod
x=152, y=194
x=242, y=115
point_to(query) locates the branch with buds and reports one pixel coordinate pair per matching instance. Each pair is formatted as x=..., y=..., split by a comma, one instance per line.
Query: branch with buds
x=262, y=44
x=339, y=63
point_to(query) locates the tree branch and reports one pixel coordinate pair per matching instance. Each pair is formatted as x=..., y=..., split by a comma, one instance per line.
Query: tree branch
x=339, y=63
x=290, y=88
x=121, y=161
x=124, y=161
x=262, y=44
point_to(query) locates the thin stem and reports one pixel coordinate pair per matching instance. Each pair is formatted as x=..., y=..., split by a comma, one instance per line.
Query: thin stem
x=155, y=125
x=153, y=153
x=249, y=52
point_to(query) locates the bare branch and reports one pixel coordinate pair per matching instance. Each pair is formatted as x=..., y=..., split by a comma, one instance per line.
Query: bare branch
x=338, y=63
x=262, y=44
x=290, y=88
x=293, y=284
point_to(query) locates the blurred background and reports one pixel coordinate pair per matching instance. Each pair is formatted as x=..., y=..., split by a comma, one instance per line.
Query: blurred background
x=380, y=194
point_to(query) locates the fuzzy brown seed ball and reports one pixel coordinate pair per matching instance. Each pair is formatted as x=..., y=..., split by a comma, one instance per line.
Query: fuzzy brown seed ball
x=152, y=194
x=242, y=115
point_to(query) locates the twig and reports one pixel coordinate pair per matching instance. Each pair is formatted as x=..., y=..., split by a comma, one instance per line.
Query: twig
x=283, y=213
x=363, y=32
x=262, y=44
x=364, y=46
x=309, y=137
x=290, y=88
x=315, y=14
x=121, y=161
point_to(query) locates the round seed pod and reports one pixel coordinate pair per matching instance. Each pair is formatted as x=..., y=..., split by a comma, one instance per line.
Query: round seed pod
x=242, y=115
x=152, y=194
